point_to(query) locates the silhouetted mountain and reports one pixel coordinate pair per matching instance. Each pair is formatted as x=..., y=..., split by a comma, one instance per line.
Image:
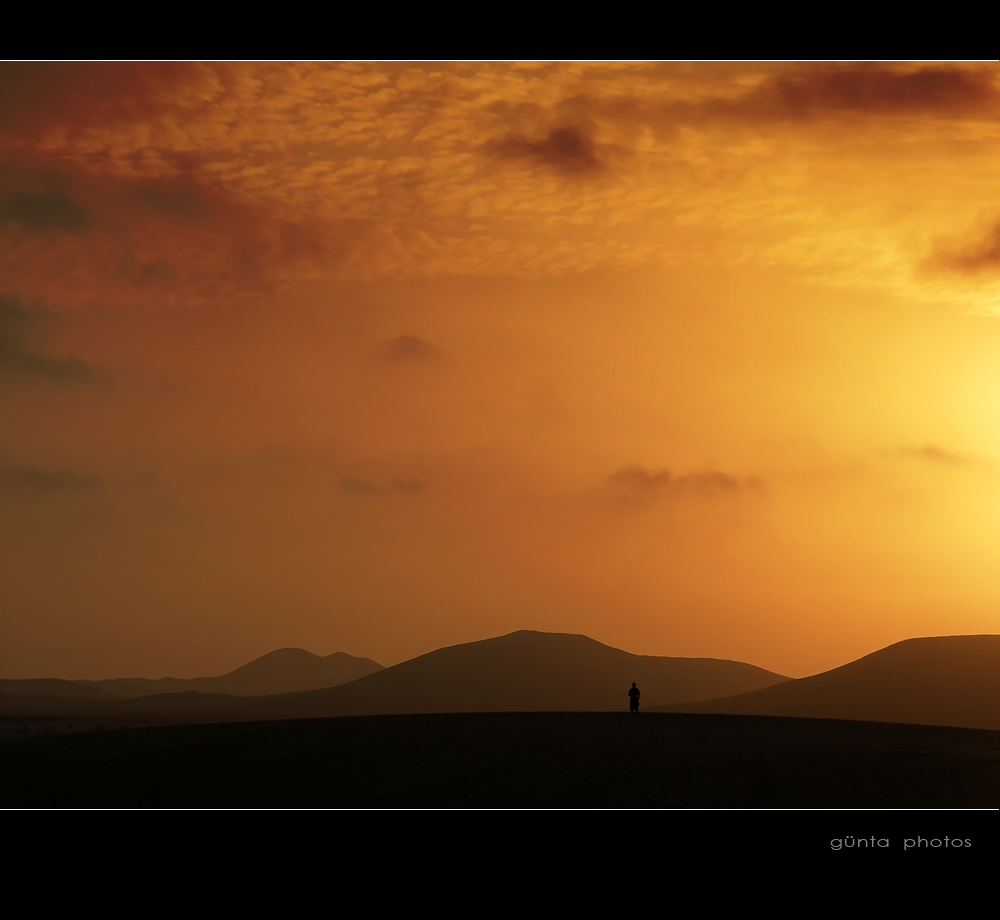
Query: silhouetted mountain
x=948, y=680
x=285, y=671
x=525, y=671
x=52, y=686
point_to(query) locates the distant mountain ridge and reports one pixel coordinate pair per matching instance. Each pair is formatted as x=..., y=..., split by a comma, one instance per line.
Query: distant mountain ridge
x=943, y=680
x=287, y=670
x=525, y=671
x=947, y=680
x=53, y=686
x=522, y=671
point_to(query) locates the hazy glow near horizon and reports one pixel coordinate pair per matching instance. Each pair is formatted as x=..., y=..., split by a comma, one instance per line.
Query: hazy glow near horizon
x=695, y=359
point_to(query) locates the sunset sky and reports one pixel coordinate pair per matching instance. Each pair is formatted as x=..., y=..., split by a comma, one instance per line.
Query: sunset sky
x=694, y=359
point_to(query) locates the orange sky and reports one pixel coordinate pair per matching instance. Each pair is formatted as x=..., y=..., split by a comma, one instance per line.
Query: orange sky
x=695, y=359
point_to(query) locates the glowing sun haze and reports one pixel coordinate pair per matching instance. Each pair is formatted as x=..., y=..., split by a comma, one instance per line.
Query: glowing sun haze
x=695, y=359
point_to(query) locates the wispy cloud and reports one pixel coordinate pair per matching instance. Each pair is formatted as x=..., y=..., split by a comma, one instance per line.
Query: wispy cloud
x=360, y=487
x=19, y=362
x=35, y=481
x=980, y=253
x=44, y=212
x=638, y=481
x=566, y=149
x=410, y=349
x=934, y=454
x=865, y=89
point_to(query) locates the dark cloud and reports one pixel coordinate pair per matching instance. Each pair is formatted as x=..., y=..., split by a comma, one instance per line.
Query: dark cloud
x=789, y=93
x=368, y=488
x=19, y=362
x=43, y=212
x=174, y=197
x=410, y=348
x=360, y=487
x=568, y=150
x=33, y=481
x=934, y=455
x=157, y=271
x=145, y=237
x=639, y=481
x=638, y=477
x=34, y=94
x=982, y=254
x=868, y=89
x=793, y=93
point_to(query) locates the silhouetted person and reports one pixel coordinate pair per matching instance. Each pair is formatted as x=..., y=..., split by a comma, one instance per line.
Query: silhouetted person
x=633, y=699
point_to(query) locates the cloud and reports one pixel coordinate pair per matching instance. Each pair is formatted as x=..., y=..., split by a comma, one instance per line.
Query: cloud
x=934, y=455
x=639, y=478
x=627, y=104
x=19, y=362
x=367, y=488
x=869, y=89
x=661, y=98
x=47, y=211
x=980, y=255
x=29, y=479
x=176, y=198
x=637, y=481
x=410, y=348
x=360, y=487
x=34, y=94
x=70, y=235
x=567, y=149
x=244, y=174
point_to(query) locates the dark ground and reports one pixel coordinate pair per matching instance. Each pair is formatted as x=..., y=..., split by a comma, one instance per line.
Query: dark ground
x=564, y=760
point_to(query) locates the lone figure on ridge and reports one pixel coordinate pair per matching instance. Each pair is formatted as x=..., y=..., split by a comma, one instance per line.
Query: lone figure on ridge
x=633, y=699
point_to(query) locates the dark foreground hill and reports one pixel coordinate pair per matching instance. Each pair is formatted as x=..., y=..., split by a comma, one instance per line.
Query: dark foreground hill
x=284, y=671
x=523, y=671
x=948, y=680
x=513, y=760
